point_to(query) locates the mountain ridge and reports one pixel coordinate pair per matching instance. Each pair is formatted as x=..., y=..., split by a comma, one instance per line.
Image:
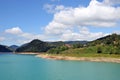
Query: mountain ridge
x=4, y=48
x=37, y=45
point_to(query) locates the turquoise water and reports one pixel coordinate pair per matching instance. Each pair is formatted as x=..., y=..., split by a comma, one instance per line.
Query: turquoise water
x=29, y=67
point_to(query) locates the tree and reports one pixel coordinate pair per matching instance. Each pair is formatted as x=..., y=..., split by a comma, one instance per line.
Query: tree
x=77, y=45
x=99, y=50
x=57, y=50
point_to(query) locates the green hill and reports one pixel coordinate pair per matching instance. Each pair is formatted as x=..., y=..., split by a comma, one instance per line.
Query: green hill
x=113, y=40
x=34, y=46
x=109, y=44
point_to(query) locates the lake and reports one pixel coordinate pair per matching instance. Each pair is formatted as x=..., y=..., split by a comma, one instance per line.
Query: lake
x=29, y=67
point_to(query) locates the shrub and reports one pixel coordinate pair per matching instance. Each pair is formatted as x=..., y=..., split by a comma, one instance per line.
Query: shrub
x=99, y=50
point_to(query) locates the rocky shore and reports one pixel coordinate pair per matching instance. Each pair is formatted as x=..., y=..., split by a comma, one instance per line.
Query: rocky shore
x=57, y=57
x=94, y=59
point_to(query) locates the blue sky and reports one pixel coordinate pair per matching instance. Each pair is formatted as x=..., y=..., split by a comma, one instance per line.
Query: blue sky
x=30, y=14
x=57, y=20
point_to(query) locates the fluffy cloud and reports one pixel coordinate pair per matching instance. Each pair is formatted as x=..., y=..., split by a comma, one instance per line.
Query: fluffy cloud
x=96, y=14
x=83, y=34
x=30, y=36
x=23, y=37
x=15, y=30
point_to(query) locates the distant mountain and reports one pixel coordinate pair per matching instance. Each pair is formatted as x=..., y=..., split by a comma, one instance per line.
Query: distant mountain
x=75, y=42
x=34, y=46
x=13, y=47
x=4, y=49
x=56, y=44
x=40, y=46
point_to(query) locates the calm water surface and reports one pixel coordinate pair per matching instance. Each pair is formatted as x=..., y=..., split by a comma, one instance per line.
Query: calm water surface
x=29, y=67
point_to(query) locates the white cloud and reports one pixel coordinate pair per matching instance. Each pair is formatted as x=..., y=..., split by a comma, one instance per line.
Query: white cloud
x=83, y=34
x=55, y=28
x=32, y=36
x=23, y=37
x=15, y=30
x=96, y=14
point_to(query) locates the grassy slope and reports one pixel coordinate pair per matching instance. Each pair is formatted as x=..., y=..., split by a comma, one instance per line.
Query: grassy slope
x=86, y=52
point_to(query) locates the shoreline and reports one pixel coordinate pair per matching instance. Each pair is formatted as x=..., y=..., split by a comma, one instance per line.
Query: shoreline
x=27, y=53
x=60, y=57
x=92, y=59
